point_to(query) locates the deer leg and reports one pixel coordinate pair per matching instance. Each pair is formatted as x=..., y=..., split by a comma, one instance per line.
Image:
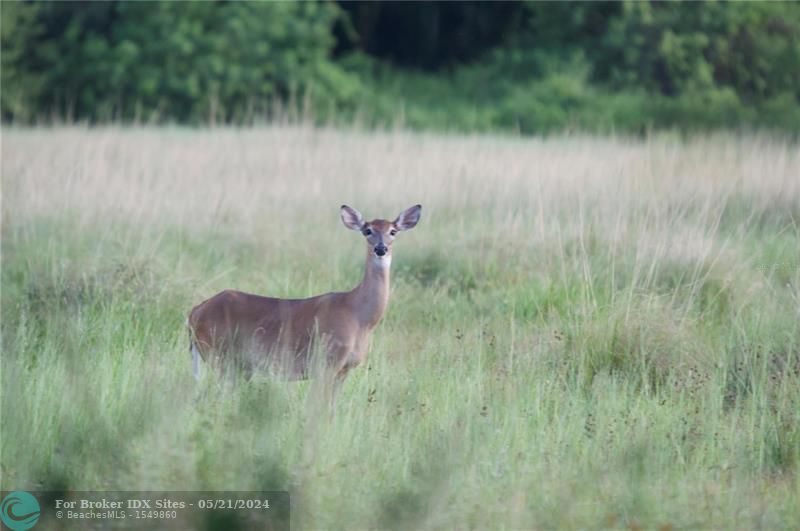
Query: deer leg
x=335, y=373
x=338, y=380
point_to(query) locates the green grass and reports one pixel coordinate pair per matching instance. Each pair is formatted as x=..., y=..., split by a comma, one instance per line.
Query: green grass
x=583, y=332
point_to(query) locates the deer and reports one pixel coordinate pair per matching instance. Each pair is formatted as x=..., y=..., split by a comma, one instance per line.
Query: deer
x=254, y=333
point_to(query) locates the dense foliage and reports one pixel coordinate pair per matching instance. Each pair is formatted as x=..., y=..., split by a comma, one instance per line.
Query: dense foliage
x=185, y=61
x=528, y=66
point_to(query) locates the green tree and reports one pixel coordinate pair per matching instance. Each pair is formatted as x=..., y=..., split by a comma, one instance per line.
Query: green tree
x=21, y=86
x=680, y=47
x=187, y=61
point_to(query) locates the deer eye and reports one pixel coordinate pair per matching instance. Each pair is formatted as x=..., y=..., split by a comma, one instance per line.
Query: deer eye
x=366, y=232
x=392, y=232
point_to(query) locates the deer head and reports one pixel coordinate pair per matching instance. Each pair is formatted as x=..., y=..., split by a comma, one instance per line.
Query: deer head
x=380, y=233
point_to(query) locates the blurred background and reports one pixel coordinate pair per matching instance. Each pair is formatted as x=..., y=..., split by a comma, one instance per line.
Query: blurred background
x=526, y=67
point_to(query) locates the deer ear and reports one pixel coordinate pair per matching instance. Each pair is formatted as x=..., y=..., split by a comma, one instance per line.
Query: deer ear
x=352, y=218
x=409, y=218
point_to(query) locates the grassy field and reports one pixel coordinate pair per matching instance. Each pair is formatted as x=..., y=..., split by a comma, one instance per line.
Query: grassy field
x=583, y=332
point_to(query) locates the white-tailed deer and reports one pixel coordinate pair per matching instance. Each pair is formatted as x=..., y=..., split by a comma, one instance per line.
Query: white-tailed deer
x=253, y=333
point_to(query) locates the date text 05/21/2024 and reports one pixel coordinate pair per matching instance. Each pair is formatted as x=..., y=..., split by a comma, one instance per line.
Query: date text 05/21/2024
x=165, y=503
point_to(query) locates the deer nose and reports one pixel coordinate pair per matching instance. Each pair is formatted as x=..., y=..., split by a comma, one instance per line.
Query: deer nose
x=380, y=249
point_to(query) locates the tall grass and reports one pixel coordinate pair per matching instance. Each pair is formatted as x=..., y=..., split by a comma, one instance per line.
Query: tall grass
x=583, y=332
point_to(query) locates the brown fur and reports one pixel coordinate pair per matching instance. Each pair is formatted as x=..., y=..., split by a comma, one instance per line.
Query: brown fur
x=254, y=333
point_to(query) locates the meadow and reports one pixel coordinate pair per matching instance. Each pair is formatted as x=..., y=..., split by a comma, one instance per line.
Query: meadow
x=583, y=332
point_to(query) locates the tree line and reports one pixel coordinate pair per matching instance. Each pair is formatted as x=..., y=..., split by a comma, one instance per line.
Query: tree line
x=533, y=66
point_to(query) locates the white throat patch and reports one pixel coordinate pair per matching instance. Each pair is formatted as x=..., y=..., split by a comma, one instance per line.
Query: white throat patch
x=384, y=261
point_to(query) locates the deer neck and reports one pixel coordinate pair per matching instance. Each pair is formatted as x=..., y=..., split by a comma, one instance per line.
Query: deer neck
x=372, y=295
